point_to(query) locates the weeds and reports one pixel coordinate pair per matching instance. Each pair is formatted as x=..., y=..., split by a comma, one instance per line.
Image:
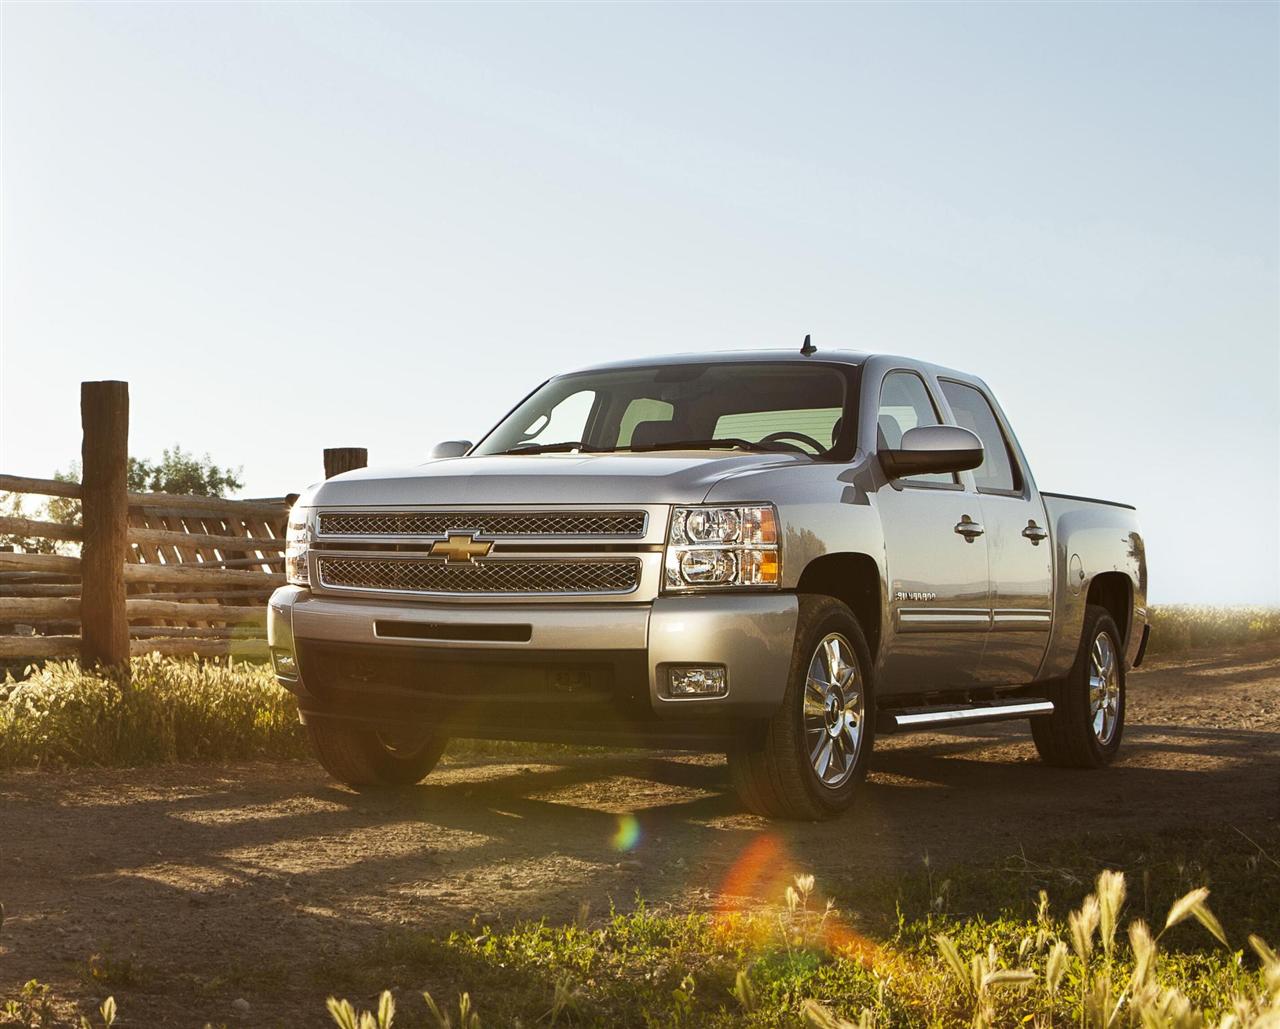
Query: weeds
x=1090, y=971
x=177, y=710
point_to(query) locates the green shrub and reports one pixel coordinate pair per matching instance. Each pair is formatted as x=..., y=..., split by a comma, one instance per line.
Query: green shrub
x=174, y=710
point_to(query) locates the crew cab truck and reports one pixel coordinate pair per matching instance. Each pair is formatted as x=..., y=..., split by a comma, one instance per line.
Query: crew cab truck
x=776, y=555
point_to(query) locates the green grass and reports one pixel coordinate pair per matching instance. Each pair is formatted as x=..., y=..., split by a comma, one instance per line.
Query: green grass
x=878, y=949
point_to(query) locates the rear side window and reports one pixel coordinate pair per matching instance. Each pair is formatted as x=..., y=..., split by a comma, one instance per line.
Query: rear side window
x=998, y=470
x=904, y=404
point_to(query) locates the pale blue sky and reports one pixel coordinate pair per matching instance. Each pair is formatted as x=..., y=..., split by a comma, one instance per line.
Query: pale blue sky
x=292, y=227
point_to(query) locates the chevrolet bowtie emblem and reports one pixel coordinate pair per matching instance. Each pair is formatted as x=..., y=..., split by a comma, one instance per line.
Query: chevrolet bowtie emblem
x=460, y=547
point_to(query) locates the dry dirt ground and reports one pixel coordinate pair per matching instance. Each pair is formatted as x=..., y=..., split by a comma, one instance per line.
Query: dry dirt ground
x=205, y=879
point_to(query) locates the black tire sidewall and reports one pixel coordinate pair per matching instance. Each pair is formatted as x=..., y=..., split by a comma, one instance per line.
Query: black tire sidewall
x=1097, y=621
x=408, y=768
x=827, y=615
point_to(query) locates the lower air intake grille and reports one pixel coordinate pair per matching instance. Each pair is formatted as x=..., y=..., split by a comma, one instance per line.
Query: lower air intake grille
x=489, y=576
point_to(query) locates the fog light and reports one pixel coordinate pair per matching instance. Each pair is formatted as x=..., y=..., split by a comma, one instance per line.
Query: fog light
x=697, y=681
x=285, y=664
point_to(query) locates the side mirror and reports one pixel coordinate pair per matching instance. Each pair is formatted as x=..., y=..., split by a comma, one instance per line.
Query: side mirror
x=451, y=448
x=932, y=448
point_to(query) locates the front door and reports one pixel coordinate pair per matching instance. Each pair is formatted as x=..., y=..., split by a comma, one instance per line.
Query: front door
x=1018, y=548
x=936, y=557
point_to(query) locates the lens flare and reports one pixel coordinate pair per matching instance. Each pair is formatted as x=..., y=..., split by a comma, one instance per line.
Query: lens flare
x=763, y=871
x=627, y=835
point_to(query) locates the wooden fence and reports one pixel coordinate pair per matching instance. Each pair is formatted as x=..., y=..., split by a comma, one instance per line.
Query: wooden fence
x=156, y=571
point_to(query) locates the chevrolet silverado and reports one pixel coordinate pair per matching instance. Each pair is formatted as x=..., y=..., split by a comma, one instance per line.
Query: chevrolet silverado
x=774, y=555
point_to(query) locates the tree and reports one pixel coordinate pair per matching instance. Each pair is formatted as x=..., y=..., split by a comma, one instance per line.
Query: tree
x=180, y=472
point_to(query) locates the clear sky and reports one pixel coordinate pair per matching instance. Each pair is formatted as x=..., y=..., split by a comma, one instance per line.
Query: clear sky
x=298, y=226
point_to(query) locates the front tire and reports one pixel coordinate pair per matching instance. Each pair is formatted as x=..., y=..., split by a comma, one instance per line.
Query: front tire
x=368, y=758
x=1087, y=723
x=814, y=751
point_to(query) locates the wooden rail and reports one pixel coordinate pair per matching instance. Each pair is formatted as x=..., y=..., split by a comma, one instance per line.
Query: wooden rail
x=38, y=646
x=56, y=563
x=170, y=537
x=160, y=572
x=194, y=575
x=43, y=530
x=36, y=610
x=41, y=487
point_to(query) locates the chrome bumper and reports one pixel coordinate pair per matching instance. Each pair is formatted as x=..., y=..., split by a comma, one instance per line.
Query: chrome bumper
x=750, y=635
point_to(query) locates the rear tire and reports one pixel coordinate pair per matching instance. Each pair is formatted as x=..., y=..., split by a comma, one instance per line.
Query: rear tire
x=366, y=758
x=814, y=751
x=1087, y=723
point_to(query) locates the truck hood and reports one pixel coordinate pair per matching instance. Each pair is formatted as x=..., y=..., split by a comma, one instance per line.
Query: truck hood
x=670, y=477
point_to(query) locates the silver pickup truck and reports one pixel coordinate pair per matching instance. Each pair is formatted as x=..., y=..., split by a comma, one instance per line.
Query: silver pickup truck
x=775, y=555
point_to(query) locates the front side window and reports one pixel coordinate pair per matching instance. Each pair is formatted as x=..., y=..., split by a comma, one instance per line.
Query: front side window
x=778, y=407
x=564, y=420
x=904, y=404
x=972, y=410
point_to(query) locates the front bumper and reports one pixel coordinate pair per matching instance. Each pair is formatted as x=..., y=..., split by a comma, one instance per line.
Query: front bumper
x=379, y=657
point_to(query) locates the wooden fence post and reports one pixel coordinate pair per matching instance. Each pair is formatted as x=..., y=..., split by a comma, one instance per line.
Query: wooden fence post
x=104, y=457
x=343, y=459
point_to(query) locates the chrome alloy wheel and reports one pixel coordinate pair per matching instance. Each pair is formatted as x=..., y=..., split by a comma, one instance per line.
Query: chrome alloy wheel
x=834, y=706
x=1104, y=688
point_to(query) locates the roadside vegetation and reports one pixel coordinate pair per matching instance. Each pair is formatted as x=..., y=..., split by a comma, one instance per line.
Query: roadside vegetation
x=1178, y=628
x=176, y=709
x=1037, y=941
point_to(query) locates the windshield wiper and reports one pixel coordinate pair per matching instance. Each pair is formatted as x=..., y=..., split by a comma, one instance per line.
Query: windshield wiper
x=551, y=448
x=721, y=443
x=726, y=442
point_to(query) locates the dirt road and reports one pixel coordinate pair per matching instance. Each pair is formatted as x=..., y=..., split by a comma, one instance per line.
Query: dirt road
x=199, y=878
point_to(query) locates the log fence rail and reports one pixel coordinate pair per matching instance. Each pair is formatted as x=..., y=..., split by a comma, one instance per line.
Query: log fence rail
x=156, y=572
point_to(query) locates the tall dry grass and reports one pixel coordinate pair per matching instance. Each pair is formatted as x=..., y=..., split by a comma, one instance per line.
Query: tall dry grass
x=1179, y=628
x=185, y=709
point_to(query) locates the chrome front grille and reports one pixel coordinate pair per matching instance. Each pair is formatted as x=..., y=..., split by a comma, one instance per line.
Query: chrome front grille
x=612, y=524
x=492, y=576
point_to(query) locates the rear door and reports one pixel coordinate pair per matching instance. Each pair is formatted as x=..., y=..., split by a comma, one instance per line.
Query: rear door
x=936, y=556
x=1019, y=553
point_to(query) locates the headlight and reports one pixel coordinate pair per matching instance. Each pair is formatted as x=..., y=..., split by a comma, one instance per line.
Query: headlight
x=722, y=547
x=297, y=538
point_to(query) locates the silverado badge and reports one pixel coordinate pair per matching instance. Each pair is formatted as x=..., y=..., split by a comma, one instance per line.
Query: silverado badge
x=461, y=547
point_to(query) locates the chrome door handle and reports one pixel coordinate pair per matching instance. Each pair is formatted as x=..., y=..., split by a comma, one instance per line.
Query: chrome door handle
x=969, y=529
x=1035, y=533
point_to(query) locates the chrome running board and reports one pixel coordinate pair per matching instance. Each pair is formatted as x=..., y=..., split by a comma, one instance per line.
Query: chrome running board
x=920, y=719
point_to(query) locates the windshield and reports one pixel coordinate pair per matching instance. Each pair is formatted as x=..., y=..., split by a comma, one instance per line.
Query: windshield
x=771, y=407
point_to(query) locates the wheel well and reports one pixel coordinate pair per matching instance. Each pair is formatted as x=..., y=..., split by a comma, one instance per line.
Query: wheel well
x=1114, y=591
x=854, y=579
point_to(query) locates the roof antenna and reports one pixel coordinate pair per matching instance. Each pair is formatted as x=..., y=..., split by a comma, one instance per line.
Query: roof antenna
x=808, y=347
